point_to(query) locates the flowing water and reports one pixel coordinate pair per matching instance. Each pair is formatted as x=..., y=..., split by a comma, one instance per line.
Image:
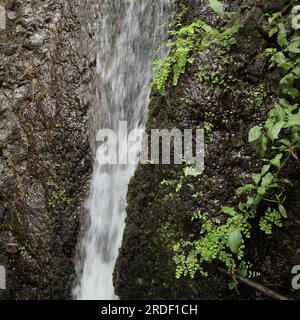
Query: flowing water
x=127, y=34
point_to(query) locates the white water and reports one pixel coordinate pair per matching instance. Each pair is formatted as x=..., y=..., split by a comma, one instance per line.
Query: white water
x=127, y=38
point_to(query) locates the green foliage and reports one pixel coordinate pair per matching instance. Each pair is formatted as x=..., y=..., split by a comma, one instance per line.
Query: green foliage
x=188, y=39
x=23, y=251
x=198, y=194
x=278, y=137
x=217, y=6
x=202, y=76
x=188, y=171
x=223, y=242
x=161, y=71
x=258, y=96
x=167, y=182
x=58, y=195
x=285, y=57
x=216, y=78
x=245, y=270
x=208, y=127
x=269, y=220
x=235, y=240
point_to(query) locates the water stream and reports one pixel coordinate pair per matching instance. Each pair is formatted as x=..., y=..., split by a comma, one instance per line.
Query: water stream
x=127, y=35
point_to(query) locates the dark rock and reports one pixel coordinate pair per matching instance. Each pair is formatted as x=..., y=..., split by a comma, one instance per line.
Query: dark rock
x=43, y=138
x=158, y=217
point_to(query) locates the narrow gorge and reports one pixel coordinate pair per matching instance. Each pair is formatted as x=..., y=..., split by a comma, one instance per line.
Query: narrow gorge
x=79, y=222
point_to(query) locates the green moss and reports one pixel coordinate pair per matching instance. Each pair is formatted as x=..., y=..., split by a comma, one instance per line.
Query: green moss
x=225, y=240
x=216, y=78
x=189, y=39
x=258, y=96
x=209, y=128
x=167, y=234
x=23, y=251
x=208, y=125
x=58, y=195
x=198, y=194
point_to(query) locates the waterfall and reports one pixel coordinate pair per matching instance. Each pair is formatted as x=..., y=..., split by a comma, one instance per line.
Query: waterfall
x=127, y=34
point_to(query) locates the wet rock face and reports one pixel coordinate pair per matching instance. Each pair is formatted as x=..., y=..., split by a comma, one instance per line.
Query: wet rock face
x=157, y=217
x=44, y=149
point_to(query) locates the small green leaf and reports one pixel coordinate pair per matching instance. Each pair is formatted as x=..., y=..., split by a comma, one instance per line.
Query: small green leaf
x=285, y=142
x=228, y=210
x=258, y=199
x=261, y=145
x=178, y=187
x=280, y=60
x=250, y=201
x=285, y=104
x=267, y=179
x=190, y=171
x=244, y=188
x=286, y=85
x=262, y=191
x=272, y=32
x=294, y=120
x=265, y=169
x=235, y=240
x=242, y=206
x=286, y=181
x=282, y=35
x=274, y=17
x=217, y=6
x=254, y=134
x=232, y=285
x=275, y=130
x=256, y=177
x=279, y=112
x=283, y=211
x=294, y=47
x=276, y=162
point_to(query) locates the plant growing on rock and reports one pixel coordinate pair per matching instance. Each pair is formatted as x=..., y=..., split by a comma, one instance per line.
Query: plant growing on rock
x=278, y=142
x=188, y=39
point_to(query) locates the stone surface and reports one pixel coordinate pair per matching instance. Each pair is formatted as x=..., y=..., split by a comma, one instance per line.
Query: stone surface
x=158, y=217
x=44, y=150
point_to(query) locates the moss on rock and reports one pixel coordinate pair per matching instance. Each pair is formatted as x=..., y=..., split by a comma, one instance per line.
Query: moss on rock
x=158, y=216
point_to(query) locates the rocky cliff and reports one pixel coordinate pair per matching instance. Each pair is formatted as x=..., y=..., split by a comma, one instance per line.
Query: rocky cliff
x=227, y=106
x=44, y=150
x=45, y=160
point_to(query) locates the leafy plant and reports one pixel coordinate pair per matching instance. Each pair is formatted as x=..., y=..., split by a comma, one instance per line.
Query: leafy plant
x=278, y=137
x=259, y=95
x=217, y=6
x=58, y=195
x=188, y=39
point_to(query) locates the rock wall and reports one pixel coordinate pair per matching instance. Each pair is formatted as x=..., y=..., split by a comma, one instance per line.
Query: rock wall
x=44, y=150
x=45, y=158
x=158, y=217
